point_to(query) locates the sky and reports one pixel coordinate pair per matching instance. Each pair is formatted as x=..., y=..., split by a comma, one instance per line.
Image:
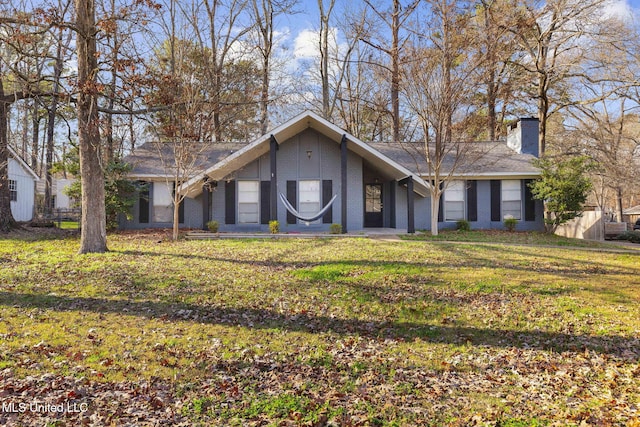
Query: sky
x=301, y=28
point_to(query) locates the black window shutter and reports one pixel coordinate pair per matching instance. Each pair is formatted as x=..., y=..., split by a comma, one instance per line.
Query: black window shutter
x=529, y=202
x=472, y=200
x=143, y=204
x=230, y=202
x=292, y=196
x=265, y=202
x=327, y=194
x=392, y=196
x=181, y=211
x=496, y=197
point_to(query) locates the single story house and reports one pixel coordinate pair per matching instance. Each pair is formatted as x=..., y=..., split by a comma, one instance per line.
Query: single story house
x=308, y=173
x=22, y=182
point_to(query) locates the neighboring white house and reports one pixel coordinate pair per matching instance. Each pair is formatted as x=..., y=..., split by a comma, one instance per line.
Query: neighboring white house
x=62, y=201
x=22, y=180
x=58, y=187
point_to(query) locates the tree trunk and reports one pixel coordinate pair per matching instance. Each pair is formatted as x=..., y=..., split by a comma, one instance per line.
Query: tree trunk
x=7, y=222
x=619, y=209
x=435, y=209
x=324, y=57
x=35, y=139
x=395, y=71
x=264, y=97
x=93, y=238
x=176, y=217
x=51, y=123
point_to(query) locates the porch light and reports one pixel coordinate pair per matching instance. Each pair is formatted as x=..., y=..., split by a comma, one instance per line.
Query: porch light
x=309, y=153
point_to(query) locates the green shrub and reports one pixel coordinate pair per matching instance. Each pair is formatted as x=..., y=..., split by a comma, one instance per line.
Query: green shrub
x=510, y=223
x=213, y=226
x=463, y=225
x=631, y=236
x=335, y=229
x=274, y=227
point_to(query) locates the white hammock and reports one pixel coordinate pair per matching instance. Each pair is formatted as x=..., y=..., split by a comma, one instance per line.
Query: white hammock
x=306, y=220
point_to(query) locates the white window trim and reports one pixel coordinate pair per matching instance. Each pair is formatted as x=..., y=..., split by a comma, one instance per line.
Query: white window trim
x=13, y=189
x=463, y=200
x=248, y=203
x=162, y=203
x=313, y=206
x=503, y=199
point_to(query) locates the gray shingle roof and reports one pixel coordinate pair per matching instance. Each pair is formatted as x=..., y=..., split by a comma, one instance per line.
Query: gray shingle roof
x=478, y=158
x=153, y=158
x=483, y=158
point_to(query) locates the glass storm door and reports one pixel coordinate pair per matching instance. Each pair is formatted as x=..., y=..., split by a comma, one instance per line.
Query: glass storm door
x=373, y=205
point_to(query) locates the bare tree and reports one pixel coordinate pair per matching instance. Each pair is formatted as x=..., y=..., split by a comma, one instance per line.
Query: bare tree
x=612, y=140
x=19, y=33
x=438, y=85
x=552, y=39
x=62, y=48
x=264, y=13
x=180, y=144
x=219, y=35
x=499, y=81
x=395, y=20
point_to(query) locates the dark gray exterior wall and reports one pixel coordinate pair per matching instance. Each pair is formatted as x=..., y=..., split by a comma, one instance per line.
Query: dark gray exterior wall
x=484, y=213
x=294, y=164
x=192, y=215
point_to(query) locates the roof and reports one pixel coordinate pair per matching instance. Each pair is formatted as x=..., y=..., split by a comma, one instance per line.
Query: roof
x=292, y=128
x=634, y=210
x=153, y=159
x=484, y=160
x=23, y=164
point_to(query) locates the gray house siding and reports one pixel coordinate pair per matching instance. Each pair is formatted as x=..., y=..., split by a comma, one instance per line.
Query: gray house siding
x=355, y=203
x=484, y=212
x=192, y=213
x=306, y=156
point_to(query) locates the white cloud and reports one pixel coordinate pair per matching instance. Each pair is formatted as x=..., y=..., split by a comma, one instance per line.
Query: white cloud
x=306, y=45
x=620, y=9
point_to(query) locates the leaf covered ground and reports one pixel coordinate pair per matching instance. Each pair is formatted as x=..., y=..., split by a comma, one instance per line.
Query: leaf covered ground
x=345, y=332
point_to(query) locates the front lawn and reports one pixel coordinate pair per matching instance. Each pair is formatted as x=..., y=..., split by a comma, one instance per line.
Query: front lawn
x=316, y=332
x=500, y=236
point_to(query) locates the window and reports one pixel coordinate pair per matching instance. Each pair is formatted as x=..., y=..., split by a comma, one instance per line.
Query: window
x=309, y=198
x=511, y=198
x=13, y=190
x=454, y=201
x=373, y=198
x=162, y=202
x=248, y=202
x=143, y=202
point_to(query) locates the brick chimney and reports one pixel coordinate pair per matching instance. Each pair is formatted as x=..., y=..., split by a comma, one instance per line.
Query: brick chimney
x=522, y=136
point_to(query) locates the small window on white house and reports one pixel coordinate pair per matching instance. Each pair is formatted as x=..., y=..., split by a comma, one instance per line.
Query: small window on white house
x=162, y=202
x=13, y=190
x=248, y=202
x=511, y=198
x=309, y=197
x=454, y=201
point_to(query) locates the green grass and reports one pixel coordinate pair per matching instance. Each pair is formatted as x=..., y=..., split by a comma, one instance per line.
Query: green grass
x=498, y=236
x=68, y=225
x=316, y=331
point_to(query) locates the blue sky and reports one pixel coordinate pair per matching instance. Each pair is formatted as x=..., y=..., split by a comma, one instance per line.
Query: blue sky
x=302, y=27
x=308, y=16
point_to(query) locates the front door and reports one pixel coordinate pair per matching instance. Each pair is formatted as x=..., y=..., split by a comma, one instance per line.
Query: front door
x=373, y=205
